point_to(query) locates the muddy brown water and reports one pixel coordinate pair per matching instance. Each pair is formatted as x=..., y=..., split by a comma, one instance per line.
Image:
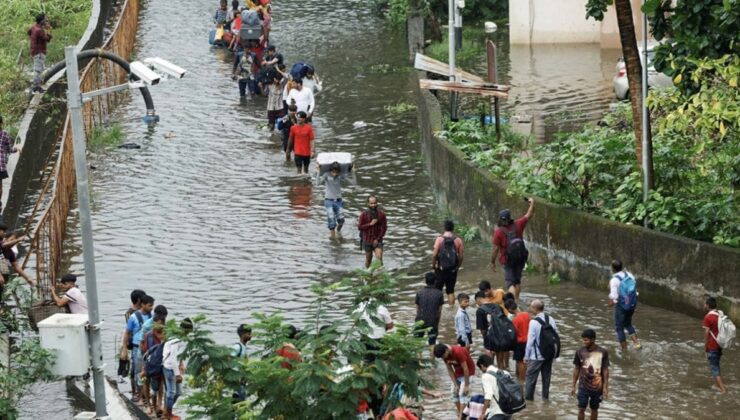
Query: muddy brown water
x=207, y=217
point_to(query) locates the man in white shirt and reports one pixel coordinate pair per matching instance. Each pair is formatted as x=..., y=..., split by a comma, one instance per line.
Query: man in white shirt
x=72, y=296
x=622, y=316
x=303, y=98
x=174, y=368
x=490, y=388
x=536, y=362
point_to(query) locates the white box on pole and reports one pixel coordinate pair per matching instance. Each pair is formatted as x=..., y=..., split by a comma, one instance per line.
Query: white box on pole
x=65, y=335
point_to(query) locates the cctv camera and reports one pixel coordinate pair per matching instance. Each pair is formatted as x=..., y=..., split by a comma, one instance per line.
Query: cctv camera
x=144, y=73
x=163, y=66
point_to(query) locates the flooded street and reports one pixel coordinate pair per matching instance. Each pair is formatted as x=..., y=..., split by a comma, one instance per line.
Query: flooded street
x=208, y=218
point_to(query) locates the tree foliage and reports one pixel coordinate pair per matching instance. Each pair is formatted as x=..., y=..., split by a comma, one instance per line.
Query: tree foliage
x=332, y=377
x=692, y=29
x=27, y=362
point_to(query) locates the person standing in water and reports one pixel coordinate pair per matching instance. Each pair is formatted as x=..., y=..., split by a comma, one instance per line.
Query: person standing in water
x=372, y=225
x=333, y=198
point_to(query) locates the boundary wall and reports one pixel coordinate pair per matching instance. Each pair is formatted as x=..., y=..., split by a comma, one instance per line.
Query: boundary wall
x=672, y=272
x=54, y=203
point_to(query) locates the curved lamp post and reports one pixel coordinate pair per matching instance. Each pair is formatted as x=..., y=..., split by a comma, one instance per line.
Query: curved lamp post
x=140, y=76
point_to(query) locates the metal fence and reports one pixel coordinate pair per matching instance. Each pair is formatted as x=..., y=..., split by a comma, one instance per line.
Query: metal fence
x=57, y=193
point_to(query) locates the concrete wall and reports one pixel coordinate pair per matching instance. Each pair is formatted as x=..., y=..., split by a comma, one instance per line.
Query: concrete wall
x=672, y=272
x=564, y=22
x=40, y=125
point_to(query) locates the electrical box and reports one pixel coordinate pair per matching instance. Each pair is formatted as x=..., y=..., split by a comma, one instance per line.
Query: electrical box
x=65, y=335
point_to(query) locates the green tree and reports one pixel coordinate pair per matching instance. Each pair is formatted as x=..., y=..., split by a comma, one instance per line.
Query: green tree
x=692, y=30
x=332, y=376
x=24, y=362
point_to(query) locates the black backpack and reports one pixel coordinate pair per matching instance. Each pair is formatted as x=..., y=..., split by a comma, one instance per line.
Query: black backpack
x=510, y=399
x=153, y=360
x=548, y=343
x=516, y=252
x=501, y=335
x=447, y=257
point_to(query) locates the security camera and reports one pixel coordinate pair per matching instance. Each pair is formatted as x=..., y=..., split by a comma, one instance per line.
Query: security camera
x=144, y=73
x=163, y=66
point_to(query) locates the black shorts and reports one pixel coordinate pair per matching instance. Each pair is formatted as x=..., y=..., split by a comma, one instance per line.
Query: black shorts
x=446, y=278
x=3, y=174
x=462, y=343
x=272, y=116
x=302, y=161
x=519, y=351
x=431, y=334
x=513, y=275
x=368, y=246
x=590, y=399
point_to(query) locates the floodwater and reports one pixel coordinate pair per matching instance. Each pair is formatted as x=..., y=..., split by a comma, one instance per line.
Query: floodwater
x=208, y=218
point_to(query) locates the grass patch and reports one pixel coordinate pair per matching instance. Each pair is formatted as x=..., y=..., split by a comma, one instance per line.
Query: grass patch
x=472, y=52
x=105, y=137
x=68, y=19
x=467, y=233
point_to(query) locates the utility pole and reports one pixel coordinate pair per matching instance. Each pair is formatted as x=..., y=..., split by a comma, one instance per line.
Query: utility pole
x=451, y=46
x=490, y=28
x=74, y=104
x=459, y=5
x=647, y=150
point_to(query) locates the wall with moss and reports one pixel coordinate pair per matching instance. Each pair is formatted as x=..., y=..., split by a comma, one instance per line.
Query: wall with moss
x=672, y=272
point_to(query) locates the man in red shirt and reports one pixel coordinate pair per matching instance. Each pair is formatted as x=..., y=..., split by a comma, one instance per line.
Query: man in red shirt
x=40, y=35
x=506, y=230
x=372, y=226
x=711, y=347
x=521, y=325
x=461, y=367
x=301, y=143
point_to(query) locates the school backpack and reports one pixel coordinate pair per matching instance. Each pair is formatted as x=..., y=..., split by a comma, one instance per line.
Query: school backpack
x=516, y=252
x=501, y=335
x=447, y=257
x=250, y=17
x=725, y=330
x=510, y=399
x=627, y=292
x=153, y=360
x=548, y=343
x=300, y=69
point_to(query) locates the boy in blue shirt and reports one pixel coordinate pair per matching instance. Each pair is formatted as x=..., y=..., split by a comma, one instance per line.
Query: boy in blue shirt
x=462, y=322
x=135, y=329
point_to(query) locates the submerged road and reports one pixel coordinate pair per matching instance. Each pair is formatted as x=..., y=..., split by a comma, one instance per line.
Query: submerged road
x=208, y=218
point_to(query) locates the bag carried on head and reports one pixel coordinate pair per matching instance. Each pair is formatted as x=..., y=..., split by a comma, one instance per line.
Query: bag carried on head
x=548, y=343
x=501, y=335
x=447, y=258
x=516, y=252
x=300, y=69
x=510, y=399
x=153, y=360
x=627, y=299
x=725, y=330
x=250, y=17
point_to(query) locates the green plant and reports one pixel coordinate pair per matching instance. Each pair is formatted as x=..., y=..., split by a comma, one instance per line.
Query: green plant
x=105, y=137
x=553, y=279
x=332, y=376
x=69, y=19
x=467, y=233
x=399, y=108
x=27, y=362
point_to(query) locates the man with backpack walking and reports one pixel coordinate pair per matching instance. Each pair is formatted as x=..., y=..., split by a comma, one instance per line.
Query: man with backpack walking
x=719, y=332
x=543, y=346
x=135, y=332
x=502, y=394
x=591, y=373
x=447, y=257
x=509, y=248
x=623, y=296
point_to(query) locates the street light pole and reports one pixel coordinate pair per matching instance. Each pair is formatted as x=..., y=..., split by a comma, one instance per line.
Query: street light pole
x=74, y=103
x=451, y=46
x=646, y=149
